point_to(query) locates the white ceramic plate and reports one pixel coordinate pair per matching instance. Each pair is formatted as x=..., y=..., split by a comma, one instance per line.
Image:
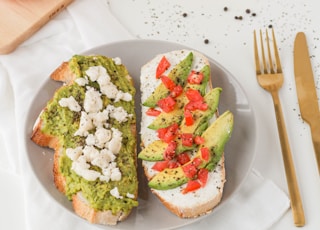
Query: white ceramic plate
x=151, y=214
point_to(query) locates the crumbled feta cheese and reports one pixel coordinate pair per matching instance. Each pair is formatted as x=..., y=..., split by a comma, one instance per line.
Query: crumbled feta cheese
x=82, y=81
x=74, y=154
x=115, y=174
x=118, y=113
x=117, y=60
x=90, y=140
x=102, y=136
x=99, y=119
x=81, y=167
x=114, y=145
x=71, y=103
x=90, y=153
x=129, y=195
x=94, y=72
x=92, y=101
x=115, y=192
x=85, y=125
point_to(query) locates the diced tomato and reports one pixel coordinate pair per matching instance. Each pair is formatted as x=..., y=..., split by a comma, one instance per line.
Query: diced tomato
x=183, y=158
x=195, y=77
x=190, y=170
x=203, y=176
x=176, y=91
x=160, y=165
x=188, y=118
x=153, y=112
x=192, y=185
x=196, y=161
x=168, y=83
x=169, y=133
x=199, y=140
x=173, y=164
x=163, y=65
x=170, y=151
x=167, y=104
x=194, y=105
x=194, y=95
x=187, y=139
x=205, y=153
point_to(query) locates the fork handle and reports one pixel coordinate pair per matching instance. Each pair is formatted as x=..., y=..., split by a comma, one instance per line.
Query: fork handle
x=296, y=203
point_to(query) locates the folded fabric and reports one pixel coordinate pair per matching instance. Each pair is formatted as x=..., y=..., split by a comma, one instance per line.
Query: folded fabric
x=85, y=24
x=257, y=206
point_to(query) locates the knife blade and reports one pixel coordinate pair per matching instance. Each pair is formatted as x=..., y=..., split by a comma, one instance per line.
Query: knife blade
x=306, y=91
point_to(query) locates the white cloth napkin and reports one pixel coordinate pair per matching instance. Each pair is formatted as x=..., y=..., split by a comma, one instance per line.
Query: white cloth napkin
x=85, y=24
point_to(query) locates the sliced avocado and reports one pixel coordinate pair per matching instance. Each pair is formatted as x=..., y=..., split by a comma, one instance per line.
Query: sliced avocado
x=176, y=116
x=178, y=74
x=168, y=179
x=154, y=151
x=216, y=136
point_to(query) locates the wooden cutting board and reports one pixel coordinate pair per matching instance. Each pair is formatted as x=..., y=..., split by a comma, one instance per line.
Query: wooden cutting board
x=19, y=19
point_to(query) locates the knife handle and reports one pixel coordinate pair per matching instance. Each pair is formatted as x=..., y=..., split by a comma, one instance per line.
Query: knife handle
x=294, y=193
x=315, y=133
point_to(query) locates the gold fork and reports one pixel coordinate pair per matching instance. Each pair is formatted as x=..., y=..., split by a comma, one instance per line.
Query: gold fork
x=270, y=77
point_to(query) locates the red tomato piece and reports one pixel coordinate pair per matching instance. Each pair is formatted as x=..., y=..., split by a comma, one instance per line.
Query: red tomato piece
x=173, y=164
x=194, y=95
x=160, y=165
x=167, y=104
x=192, y=185
x=183, y=158
x=163, y=65
x=190, y=170
x=205, y=153
x=153, y=112
x=187, y=139
x=169, y=133
x=199, y=140
x=195, y=77
x=170, y=151
x=203, y=176
x=188, y=118
x=196, y=162
x=194, y=105
x=176, y=91
x=168, y=83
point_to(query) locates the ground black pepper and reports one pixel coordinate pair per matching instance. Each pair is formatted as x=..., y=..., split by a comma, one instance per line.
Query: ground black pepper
x=206, y=41
x=225, y=8
x=184, y=15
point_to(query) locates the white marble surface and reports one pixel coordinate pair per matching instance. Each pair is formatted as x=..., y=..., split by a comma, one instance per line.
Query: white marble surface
x=230, y=43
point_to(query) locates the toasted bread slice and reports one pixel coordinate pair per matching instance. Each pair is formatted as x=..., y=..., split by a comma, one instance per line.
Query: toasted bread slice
x=92, y=198
x=200, y=201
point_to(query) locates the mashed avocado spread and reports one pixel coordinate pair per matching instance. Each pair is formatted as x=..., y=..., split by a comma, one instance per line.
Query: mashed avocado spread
x=63, y=122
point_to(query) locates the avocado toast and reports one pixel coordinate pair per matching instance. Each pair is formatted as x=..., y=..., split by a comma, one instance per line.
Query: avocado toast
x=182, y=134
x=91, y=124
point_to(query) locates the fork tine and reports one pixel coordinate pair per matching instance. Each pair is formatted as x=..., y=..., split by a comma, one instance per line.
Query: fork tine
x=271, y=64
x=256, y=54
x=276, y=53
x=265, y=67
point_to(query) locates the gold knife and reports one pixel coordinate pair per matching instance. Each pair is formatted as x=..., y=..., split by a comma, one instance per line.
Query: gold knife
x=306, y=90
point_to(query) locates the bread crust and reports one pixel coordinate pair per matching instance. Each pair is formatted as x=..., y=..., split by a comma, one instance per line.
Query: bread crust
x=80, y=204
x=213, y=194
